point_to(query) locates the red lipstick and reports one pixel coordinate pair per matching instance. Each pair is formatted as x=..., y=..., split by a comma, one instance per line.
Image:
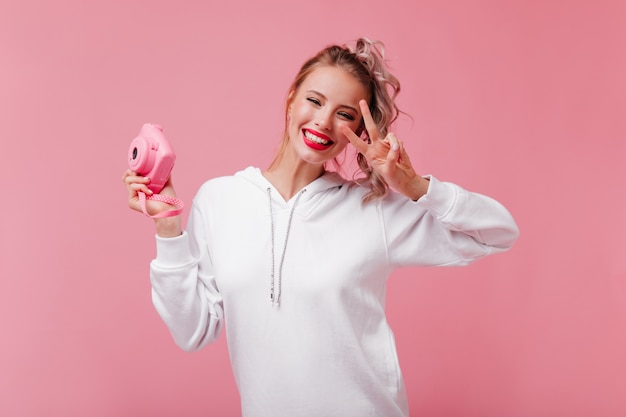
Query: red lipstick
x=314, y=144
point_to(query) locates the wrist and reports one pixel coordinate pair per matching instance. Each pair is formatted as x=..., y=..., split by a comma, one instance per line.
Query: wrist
x=417, y=188
x=168, y=226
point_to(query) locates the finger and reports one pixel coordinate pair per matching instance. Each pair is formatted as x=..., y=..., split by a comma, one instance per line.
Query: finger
x=393, y=156
x=128, y=173
x=370, y=125
x=394, y=143
x=356, y=141
x=136, y=188
x=402, y=155
x=134, y=178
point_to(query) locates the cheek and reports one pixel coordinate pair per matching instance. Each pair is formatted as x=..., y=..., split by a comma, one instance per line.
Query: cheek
x=301, y=111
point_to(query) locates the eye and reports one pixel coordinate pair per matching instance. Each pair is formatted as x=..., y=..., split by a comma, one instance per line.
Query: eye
x=346, y=116
x=314, y=101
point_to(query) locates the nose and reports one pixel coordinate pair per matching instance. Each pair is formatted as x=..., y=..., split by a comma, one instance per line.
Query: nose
x=324, y=121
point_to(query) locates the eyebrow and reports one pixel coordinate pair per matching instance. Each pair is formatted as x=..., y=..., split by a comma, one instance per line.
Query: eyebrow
x=324, y=97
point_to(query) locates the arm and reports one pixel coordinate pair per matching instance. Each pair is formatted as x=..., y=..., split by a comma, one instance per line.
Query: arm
x=443, y=223
x=447, y=226
x=184, y=292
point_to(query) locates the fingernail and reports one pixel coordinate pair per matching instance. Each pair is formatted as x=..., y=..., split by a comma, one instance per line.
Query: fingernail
x=395, y=147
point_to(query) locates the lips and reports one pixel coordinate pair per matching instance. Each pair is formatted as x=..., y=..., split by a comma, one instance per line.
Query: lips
x=316, y=140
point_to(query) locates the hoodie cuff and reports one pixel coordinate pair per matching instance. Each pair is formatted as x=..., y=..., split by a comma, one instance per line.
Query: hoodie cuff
x=173, y=251
x=440, y=198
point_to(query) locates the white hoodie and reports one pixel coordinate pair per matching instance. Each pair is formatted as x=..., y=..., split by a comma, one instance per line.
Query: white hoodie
x=322, y=346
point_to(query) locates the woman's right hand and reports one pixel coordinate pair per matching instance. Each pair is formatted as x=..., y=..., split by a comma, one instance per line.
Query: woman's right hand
x=167, y=226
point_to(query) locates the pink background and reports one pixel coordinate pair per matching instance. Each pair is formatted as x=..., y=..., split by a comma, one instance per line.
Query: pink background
x=522, y=100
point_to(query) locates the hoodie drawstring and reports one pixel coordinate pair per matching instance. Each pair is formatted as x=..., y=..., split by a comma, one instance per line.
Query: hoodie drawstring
x=275, y=290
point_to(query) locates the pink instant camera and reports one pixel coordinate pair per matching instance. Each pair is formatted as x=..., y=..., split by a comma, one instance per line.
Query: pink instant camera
x=151, y=155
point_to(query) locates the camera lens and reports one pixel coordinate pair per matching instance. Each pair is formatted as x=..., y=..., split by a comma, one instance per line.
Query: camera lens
x=135, y=153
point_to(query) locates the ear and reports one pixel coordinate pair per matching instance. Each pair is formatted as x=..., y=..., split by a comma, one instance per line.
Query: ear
x=289, y=102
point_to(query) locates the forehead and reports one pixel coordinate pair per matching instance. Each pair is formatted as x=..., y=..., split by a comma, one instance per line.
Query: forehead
x=335, y=84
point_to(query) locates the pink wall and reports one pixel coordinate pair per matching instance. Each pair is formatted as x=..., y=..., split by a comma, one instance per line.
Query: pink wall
x=522, y=100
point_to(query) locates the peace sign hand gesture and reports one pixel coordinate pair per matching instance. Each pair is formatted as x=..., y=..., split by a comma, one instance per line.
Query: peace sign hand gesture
x=387, y=157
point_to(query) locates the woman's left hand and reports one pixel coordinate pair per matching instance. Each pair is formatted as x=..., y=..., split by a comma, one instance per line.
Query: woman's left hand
x=387, y=157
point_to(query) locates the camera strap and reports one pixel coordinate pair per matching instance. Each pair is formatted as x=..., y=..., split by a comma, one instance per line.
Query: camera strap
x=164, y=199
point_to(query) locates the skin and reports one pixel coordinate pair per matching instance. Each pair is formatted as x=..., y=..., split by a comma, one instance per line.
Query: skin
x=388, y=158
x=332, y=104
x=326, y=102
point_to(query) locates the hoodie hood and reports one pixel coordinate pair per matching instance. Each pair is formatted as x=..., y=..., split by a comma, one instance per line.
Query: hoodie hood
x=327, y=181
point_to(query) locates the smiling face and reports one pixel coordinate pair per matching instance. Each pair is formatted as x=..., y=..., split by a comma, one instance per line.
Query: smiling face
x=327, y=99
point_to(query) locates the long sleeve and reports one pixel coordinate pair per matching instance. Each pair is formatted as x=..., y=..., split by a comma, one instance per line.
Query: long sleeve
x=331, y=324
x=184, y=291
x=451, y=226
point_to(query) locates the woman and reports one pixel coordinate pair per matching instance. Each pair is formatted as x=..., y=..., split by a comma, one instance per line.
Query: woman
x=295, y=258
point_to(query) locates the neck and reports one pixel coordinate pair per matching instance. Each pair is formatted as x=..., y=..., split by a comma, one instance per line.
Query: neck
x=289, y=175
